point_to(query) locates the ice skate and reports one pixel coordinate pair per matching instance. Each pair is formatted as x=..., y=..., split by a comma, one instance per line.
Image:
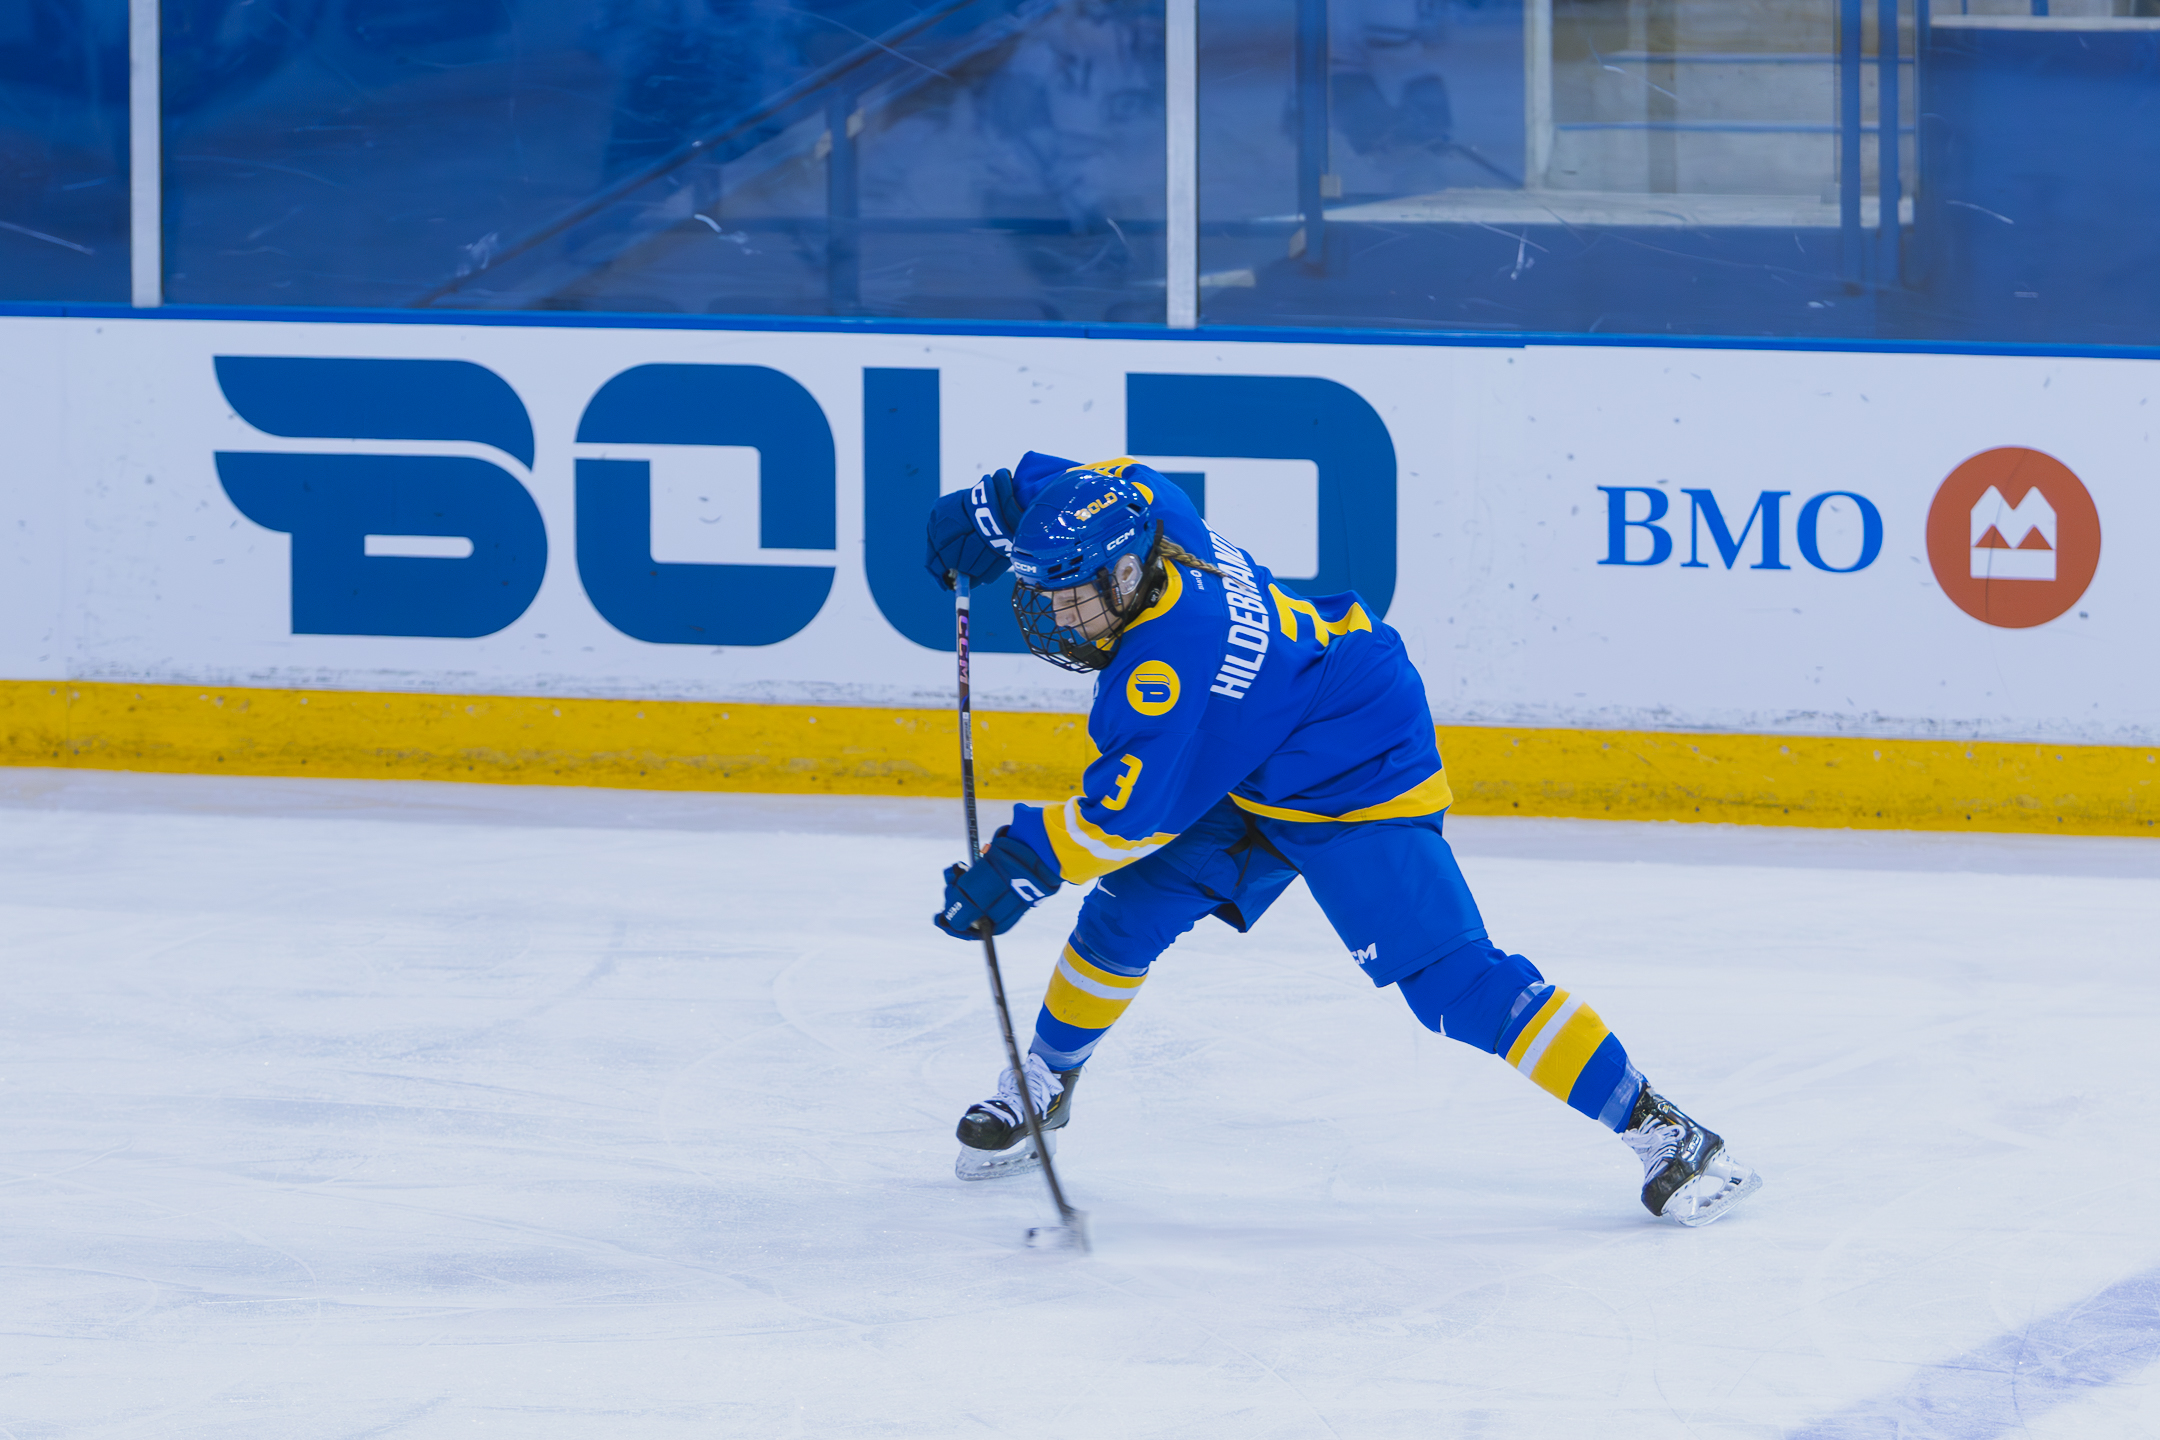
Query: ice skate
x=1689, y=1177
x=994, y=1136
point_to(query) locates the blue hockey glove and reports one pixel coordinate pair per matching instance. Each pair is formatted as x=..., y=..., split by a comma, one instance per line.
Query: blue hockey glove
x=971, y=530
x=1007, y=882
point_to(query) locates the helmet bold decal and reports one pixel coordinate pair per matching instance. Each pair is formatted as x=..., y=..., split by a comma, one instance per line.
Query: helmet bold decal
x=1152, y=688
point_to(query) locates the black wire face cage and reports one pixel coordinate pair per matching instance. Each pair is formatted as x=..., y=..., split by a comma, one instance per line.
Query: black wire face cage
x=1067, y=645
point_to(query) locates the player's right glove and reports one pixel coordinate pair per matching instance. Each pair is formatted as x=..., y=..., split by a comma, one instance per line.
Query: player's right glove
x=1008, y=881
x=970, y=531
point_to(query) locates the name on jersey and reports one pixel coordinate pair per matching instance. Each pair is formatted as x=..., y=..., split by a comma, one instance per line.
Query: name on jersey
x=1247, y=645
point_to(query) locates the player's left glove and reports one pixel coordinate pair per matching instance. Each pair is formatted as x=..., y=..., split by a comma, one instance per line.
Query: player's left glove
x=1009, y=880
x=970, y=531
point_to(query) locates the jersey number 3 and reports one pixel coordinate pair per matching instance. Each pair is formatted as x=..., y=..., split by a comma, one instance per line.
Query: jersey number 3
x=1124, y=784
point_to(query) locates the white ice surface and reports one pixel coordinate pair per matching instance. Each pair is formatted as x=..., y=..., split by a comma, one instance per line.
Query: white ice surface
x=342, y=1110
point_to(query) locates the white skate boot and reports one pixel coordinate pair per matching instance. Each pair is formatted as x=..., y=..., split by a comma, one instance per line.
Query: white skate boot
x=1689, y=1177
x=994, y=1136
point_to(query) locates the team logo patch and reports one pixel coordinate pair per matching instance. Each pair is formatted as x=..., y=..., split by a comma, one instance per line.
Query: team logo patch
x=1152, y=688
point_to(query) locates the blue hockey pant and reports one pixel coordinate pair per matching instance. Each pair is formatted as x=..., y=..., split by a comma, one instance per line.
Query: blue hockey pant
x=1398, y=900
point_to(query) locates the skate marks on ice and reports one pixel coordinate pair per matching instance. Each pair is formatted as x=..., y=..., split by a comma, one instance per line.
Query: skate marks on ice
x=422, y=802
x=2028, y=1376
x=1665, y=842
x=540, y=1112
x=431, y=802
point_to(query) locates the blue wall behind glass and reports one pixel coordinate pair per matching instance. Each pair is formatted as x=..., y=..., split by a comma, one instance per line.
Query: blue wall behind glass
x=63, y=150
x=2041, y=218
x=1716, y=170
x=979, y=159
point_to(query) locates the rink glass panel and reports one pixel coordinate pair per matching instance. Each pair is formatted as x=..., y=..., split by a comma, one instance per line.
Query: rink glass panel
x=63, y=150
x=1652, y=167
x=1691, y=167
x=977, y=160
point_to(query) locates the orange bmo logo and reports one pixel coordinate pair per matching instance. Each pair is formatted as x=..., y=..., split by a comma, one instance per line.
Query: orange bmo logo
x=2013, y=537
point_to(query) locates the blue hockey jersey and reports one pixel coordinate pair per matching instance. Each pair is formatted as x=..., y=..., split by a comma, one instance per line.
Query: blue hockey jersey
x=1301, y=709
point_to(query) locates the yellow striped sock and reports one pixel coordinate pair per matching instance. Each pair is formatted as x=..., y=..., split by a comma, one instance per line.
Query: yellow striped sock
x=1084, y=1000
x=1557, y=1043
x=1086, y=996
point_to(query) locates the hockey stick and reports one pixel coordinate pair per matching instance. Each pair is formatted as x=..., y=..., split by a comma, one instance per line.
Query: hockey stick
x=1072, y=1232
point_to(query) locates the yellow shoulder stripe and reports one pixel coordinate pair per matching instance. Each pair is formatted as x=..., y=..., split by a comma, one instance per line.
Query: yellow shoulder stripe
x=1428, y=797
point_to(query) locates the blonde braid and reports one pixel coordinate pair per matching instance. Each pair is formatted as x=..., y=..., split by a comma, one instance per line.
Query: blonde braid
x=1155, y=574
x=1168, y=550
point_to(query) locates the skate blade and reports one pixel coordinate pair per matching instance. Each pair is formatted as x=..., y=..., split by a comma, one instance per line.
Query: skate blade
x=1019, y=1159
x=1724, y=1183
x=1072, y=1235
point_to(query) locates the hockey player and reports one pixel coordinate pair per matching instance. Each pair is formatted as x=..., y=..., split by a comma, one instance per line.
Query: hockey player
x=1249, y=735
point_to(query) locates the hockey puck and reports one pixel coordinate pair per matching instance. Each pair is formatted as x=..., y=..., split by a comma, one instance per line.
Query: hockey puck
x=1073, y=1236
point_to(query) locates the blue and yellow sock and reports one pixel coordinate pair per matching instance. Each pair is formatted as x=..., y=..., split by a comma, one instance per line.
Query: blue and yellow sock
x=1084, y=1000
x=1571, y=1054
x=1500, y=1004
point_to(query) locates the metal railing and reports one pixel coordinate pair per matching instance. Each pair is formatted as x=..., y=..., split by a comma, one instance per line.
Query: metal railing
x=836, y=88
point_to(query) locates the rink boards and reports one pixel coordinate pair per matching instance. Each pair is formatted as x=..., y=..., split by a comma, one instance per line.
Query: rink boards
x=1826, y=587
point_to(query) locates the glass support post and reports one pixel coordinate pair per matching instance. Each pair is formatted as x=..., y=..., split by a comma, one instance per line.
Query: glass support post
x=843, y=238
x=1661, y=96
x=1312, y=130
x=146, y=156
x=1537, y=92
x=1890, y=185
x=1849, y=237
x=1181, y=167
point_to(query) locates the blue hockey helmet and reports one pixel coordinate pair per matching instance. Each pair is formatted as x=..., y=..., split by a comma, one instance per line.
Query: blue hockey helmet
x=1065, y=560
